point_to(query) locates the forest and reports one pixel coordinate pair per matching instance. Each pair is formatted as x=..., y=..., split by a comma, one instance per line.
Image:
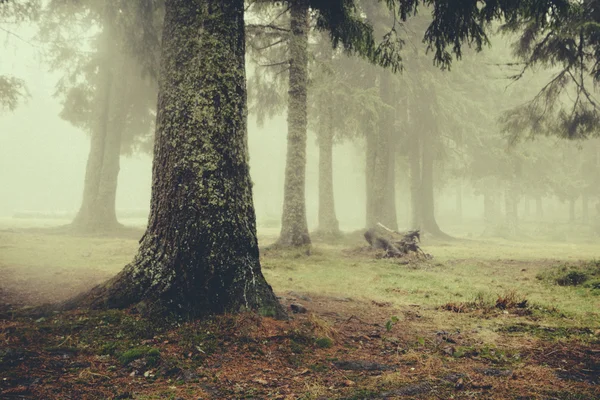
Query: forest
x=299, y=199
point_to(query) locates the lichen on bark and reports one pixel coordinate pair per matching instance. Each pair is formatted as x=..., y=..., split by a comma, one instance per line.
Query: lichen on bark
x=200, y=253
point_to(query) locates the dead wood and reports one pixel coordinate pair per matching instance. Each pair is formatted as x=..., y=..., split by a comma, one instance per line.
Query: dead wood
x=395, y=244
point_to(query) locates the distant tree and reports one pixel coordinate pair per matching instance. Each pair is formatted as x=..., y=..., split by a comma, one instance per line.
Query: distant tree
x=103, y=92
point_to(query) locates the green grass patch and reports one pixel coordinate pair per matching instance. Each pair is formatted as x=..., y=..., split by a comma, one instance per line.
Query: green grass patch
x=324, y=342
x=152, y=356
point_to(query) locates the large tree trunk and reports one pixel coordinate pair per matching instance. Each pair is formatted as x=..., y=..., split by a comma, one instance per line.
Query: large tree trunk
x=328, y=223
x=199, y=254
x=381, y=162
x=294, y=227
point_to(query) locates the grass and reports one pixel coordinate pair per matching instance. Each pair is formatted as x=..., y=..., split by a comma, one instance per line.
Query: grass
x=477, y=303
x=460, y=271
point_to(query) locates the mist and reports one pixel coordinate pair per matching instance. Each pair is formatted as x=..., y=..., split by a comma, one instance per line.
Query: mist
x=299, y=200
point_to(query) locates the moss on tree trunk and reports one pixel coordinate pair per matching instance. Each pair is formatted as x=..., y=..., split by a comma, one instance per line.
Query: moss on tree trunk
x=200, y=253
x=294, y=227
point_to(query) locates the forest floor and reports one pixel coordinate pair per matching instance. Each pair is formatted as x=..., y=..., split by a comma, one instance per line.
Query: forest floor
x=491, y=319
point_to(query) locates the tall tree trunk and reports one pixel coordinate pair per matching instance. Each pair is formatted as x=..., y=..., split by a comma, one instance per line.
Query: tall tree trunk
x=97, y=212
x=371, y=156
x=328, y=223
x=414, y=163
x=427, y=208
x=381, y=207
x=199, y=254
x=294, y=227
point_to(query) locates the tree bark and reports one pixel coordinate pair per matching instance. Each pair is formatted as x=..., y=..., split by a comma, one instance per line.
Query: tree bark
x=381, y=162
x=294, y=226
x=199, y=254
x=328, y=223
x=427, y=207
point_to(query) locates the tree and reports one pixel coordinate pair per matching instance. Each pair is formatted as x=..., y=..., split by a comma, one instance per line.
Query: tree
x=103, y=93
x=199, y=254
x=294, y=226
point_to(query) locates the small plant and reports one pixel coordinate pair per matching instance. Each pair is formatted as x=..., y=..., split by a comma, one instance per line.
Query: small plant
x=511, y=300
x=324, y=342
x=390, y=323
x=572, y=278
x=151, y=355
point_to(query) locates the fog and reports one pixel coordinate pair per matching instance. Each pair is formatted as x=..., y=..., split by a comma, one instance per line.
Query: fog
x=43, y=160
x=43, y=157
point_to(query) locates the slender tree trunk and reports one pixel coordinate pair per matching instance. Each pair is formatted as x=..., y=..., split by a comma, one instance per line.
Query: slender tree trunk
x=414, y=164
x=294, y=227
x=371, y=156
x=381, y=162
x=427, y=208
x=328, y=223
x=585, y=208
x=199, y=254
